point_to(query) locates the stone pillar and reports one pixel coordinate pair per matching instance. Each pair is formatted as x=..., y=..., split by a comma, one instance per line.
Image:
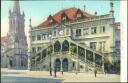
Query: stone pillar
x=78, y=67
x=85, y=62
x=35, y=63
x=94, y=60
x=53, y=48
x=29, y=60
x=61, y=68
x=103, y=64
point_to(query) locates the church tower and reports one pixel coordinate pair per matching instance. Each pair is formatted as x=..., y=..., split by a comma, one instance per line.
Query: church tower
x=16, y=27
x=17, y=39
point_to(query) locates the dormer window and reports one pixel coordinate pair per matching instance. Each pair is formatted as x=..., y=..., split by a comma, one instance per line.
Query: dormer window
x=63, y=18
x=51, y=21
x=79, y=15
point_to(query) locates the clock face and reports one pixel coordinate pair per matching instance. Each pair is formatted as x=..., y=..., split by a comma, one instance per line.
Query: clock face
x=61, y=32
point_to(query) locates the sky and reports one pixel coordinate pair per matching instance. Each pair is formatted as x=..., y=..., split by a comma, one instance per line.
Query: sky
x=38, y=11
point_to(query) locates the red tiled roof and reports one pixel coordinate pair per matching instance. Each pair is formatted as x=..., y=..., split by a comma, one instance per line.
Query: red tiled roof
x=4, y=39
x=70, y=13
x=117, y=25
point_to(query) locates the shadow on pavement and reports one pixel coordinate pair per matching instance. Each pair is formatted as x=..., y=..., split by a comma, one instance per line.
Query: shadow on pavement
x=14, y=79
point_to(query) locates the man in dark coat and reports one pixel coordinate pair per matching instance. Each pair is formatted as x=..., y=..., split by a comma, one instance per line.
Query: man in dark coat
x=55, y=72
x=95, y=72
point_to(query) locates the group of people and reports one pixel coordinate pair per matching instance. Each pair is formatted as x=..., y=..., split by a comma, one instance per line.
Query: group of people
x=55, y=72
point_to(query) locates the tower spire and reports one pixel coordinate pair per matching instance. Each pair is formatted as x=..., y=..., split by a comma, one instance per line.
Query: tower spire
x=16, y=7
x=111, y=8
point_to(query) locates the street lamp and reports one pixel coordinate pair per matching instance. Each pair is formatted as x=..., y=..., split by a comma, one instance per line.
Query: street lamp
x=50, y=56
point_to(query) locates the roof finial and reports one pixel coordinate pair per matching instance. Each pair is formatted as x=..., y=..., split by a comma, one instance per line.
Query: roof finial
x=111, y=8
x=95, y=13
x=84, y=7
x=30, y=23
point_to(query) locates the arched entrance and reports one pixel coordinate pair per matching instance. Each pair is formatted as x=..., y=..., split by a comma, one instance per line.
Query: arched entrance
x=65, y=64
x=57, y=64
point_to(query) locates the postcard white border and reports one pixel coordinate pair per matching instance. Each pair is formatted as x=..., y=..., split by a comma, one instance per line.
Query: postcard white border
x=123, y=21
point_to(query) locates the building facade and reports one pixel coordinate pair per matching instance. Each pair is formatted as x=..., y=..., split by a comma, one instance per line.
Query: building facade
x=71, y=40
x=16, y=45
x=117, y=42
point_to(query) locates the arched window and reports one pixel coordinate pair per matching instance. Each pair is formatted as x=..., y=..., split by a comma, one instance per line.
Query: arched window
x=57, y=46
x=65, y=46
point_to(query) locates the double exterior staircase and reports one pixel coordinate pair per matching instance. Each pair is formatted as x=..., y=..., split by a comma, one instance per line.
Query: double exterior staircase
x=86, y=63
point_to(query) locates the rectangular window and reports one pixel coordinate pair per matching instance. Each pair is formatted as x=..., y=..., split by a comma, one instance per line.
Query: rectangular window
x=43, y=36
x=67, y=31
x=78, y=32
x=93, y=45
x=38, y=48
x=102, y=29
x=93, y=30
x=54, y=33
x=33, y=49
x=104, y=45
x=100, y=46
x=86, y=31
x=38, y=37
x=33, y=38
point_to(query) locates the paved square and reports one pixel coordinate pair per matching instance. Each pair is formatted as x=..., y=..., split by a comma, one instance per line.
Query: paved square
x=9, y=75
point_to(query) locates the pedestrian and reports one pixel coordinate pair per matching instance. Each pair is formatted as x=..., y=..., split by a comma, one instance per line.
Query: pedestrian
x=105, y=72
x=62, y=72
x=55, y=72
x=95, y=72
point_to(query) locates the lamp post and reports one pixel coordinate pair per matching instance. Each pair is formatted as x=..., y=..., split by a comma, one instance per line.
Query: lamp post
x=50, y=56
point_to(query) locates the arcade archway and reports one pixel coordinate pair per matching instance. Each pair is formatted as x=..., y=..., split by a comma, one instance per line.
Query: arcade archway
x=57, y=64
x=65, y=64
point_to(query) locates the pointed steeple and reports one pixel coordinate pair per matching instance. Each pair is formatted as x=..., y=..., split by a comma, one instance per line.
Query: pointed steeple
x=16, y=7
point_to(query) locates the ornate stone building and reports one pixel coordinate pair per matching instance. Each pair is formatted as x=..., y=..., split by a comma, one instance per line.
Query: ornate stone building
x=72, y=40
x=16, y=44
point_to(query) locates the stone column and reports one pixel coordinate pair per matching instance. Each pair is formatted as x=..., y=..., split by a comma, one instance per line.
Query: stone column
x=61, y=68
x=94, y=60
x=29, y=60
x=85, y=61
x=103, y=64
x=78, y=67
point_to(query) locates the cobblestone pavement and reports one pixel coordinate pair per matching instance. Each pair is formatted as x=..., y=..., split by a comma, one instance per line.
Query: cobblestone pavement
x=15, y=76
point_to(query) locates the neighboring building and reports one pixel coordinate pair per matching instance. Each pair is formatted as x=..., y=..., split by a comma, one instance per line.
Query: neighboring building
x=90, y=36
x=16, y=44
x=4, y=41
x=117, y=41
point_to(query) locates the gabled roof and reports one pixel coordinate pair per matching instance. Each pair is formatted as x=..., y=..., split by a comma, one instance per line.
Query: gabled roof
x=4, y=39
x=70, y=13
